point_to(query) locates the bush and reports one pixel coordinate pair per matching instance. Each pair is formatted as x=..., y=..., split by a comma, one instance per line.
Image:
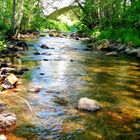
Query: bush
x=57, y=25
x=124, y=35
x=4, y=27
x=2, y=45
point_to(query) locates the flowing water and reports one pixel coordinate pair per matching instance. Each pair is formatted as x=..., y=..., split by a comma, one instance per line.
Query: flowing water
x=68, y=71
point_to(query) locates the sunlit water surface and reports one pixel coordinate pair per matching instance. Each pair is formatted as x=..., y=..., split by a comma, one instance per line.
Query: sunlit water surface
x=67, y=70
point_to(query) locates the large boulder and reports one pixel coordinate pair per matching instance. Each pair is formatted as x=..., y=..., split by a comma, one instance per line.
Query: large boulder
x=10, y=82
x=88, y=104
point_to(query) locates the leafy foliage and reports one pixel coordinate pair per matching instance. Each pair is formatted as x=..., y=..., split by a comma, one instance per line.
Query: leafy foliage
x=116, y=20
x=123, y=35
x=56, y=25
x=2, y=45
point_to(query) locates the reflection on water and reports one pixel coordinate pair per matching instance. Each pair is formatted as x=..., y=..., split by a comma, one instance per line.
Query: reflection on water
x=71, y=73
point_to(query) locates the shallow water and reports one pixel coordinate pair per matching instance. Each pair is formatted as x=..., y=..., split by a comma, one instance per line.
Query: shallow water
x=67, y=70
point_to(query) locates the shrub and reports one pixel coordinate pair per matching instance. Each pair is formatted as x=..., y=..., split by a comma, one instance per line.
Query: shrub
x=124, y=35
x=2, y=45
x=57, y=25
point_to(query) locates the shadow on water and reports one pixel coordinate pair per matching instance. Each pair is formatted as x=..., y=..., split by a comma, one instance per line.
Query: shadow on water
x=70, y=72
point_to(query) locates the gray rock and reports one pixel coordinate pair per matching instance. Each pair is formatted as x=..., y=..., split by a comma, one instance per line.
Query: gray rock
x=103, y=44
x=7, y=121
x=112, y=53
x=2, y=107
x=121, y=47
x=132, y=51
x=88, y=104
x=138, y=54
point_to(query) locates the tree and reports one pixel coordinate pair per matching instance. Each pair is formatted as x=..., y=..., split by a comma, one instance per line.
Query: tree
x=20, y=16
x=13, y=18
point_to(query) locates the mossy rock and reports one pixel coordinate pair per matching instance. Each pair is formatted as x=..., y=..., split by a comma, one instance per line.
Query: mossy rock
x=103, y=44
x=60, y=100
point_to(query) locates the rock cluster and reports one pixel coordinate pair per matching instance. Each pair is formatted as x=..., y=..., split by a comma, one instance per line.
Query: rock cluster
x=114, y=48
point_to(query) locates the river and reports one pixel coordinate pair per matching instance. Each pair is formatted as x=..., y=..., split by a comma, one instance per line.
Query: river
x=67, y=70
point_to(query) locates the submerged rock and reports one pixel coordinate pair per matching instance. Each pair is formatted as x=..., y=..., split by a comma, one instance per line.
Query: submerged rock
x=45, y=60
x=91, y=46
x=60, y=100
x=36, y=53
x=7, y=121
x=46, y=53
x=35, y=88
x=42, y=73
x=44, y=46
x=88, y=104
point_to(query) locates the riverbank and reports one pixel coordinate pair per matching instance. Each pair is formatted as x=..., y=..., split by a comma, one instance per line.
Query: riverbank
x=114, y=48
x=111, y=48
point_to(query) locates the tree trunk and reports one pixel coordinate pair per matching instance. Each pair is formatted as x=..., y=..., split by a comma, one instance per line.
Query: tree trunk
x=18, y=26
x=124, y=5
x=13, y=19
